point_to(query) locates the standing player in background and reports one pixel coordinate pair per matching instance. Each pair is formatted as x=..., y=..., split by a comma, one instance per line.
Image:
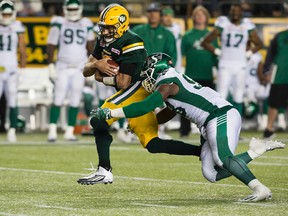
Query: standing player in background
x=200, y=63
x=73, y=34
x=175, y=28
x=255, y=95
x=234, y=33
x=12, y=37
x=126, y=48
x=157, y=39
x=276, y=72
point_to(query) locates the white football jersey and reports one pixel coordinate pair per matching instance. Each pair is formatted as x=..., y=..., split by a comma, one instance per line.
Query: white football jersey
x=9, y=43
x=234, y=40
x=71, y=38
x=194, y=102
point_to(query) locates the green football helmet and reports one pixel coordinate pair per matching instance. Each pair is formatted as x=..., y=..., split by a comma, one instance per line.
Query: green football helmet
x=7, y=13
x=250, y=109
x=73, y=9
x=154, y=65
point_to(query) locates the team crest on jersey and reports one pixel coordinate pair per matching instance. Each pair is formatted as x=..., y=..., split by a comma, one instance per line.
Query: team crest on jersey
x=122, y=18
x=115, y=51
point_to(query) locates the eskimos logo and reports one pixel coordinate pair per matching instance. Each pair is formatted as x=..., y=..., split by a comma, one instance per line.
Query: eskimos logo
x=122, y=18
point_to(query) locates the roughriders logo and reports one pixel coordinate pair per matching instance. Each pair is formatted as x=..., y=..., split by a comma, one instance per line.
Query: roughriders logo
x=122, y=18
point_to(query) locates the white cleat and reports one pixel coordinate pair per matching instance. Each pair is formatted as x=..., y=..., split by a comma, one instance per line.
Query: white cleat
x=68, y=135
x=101, y=175
x=259, y=147
x=260, y=193
x=52, y=134
x=123, y=136
x=11, y=135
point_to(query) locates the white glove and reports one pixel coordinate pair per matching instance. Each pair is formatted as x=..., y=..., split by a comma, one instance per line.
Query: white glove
x=52, y=72
x=217, y=51
x=248, y=54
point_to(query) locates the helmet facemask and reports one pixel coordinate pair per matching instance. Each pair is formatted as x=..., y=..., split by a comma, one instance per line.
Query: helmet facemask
x=7, y=13
x=148, y=83
x=73, y=10
x=107, y=32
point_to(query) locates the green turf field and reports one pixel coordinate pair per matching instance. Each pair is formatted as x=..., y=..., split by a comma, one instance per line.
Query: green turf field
x=38, y=178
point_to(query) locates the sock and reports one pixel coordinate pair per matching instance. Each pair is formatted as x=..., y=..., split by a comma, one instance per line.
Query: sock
x=13, y=113
x=238, y=168
x=121, y=122
x=54, y=114
x=157, y=145
x=72, y=116
x=103, y=140
x=88, y=103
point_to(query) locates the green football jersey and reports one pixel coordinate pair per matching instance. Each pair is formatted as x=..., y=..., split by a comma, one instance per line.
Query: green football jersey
x=193, y=101
x=129, y=49
x=278, y=54
x=199, y=62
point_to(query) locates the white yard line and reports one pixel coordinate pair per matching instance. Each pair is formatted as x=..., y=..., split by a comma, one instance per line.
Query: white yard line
x=256, y=204
x=56, y=207
x=154, y=205
x=132, y=178
x=9, y=214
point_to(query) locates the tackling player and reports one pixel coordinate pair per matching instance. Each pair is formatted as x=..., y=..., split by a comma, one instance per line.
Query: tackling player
x=11, y=39
x=73, y=34
x=234, y=33
x=218, y=121
x=126, y=48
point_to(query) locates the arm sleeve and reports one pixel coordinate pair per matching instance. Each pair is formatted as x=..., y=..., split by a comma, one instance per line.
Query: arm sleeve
x=271, y=54
x=97, y=50
x=144, y=106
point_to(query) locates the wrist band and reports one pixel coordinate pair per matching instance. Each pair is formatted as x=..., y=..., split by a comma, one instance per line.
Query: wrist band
x=110, y=81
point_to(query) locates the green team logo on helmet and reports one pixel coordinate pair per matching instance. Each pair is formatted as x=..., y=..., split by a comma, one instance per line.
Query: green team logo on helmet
x=155, y=65
x=122, y=18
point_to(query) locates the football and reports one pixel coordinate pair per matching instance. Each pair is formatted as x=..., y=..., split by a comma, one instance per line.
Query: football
x=112, y=62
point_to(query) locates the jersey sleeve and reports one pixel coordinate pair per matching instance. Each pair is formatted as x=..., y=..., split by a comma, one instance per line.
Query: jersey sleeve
x=54, y=32
x=89, y=24
x=19, y=27
x=221, y=22
x=249, y=25
x=132, y=51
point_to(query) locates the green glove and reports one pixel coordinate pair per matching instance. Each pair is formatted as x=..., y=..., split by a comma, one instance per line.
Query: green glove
x=101, y=113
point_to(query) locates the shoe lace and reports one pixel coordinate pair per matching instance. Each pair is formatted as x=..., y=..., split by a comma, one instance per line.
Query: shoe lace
x=92, y=168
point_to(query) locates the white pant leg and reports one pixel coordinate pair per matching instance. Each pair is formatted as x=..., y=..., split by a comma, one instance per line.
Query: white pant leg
x=238, y=84
x=76, y=87
x=11, y=89
x=221, y=142
x=104, y=91
x=61, y=84
x=224, y=79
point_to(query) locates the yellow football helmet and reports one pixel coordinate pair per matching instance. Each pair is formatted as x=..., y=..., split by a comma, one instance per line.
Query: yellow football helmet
x=115, y=19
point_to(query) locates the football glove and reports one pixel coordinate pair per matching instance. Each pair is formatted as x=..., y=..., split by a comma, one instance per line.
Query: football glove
x=52, y=72
x=101, y=113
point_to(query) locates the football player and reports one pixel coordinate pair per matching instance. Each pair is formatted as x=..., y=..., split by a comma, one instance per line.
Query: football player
x=73, y=34
x=126, y=48
x=234, y=33
x=11, y=39
x=218, y=120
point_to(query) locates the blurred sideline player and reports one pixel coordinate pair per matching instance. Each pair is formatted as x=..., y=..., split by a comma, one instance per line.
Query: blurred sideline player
x=256, y=94
x=12, y=37
x=127, y=49
x=218, y=120
x=73, y=34
x=234, y=33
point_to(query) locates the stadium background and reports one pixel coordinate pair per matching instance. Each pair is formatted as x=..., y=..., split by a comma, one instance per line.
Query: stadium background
x=35, y=89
